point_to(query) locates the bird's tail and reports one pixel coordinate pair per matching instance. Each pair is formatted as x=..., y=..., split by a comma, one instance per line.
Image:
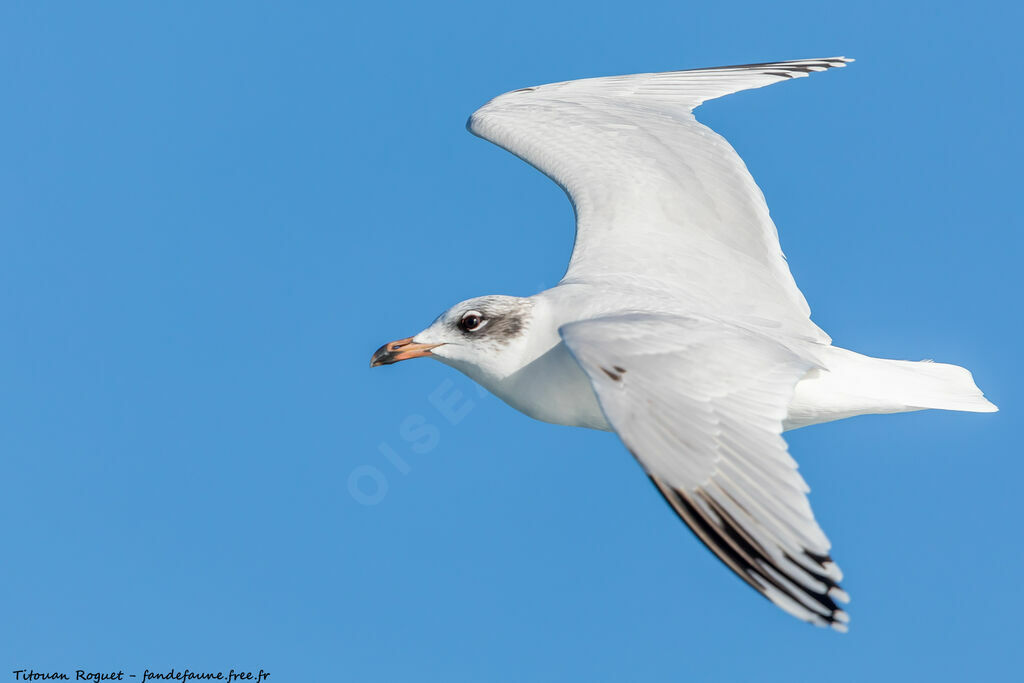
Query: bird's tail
x=926, y=384
x=854, y=384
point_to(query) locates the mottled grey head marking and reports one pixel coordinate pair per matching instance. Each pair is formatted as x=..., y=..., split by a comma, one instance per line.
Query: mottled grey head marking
x=497, y=320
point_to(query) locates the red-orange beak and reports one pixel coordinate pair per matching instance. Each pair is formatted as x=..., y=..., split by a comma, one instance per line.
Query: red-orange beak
x=403, y=349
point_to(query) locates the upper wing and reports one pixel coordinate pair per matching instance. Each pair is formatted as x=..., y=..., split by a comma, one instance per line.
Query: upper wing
x=700, y=404
x=659, y=197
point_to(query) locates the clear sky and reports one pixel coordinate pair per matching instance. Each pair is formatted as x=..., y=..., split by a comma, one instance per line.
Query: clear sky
x=211, y=215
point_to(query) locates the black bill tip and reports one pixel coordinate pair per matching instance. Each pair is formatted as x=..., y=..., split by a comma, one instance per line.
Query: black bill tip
x=385, y=355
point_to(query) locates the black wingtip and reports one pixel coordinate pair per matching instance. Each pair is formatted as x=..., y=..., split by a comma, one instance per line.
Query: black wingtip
x=735, y=547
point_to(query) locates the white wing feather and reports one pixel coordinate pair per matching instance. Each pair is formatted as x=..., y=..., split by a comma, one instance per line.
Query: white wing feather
x=700, y=404
x=662, y=201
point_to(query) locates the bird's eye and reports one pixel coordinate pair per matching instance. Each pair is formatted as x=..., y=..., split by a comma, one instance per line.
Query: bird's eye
x=471, y=321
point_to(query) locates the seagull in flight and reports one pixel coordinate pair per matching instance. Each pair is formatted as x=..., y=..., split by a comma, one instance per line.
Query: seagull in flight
x=678, y=325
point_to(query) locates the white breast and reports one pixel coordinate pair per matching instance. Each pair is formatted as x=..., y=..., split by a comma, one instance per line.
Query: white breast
x=553, y=388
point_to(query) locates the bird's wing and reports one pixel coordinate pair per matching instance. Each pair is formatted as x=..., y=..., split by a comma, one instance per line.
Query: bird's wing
x=660, y=199
x=700, y=404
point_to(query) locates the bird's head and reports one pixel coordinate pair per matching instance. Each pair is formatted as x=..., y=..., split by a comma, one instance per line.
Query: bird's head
x=483, y=337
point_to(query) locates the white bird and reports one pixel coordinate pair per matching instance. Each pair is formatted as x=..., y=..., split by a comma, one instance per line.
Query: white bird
x=678, y=324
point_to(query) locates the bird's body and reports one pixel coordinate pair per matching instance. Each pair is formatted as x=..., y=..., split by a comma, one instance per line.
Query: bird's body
x=550, y=385
x=678, y=324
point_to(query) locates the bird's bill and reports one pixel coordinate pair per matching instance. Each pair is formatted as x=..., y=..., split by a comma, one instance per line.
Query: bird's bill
x=402, y=349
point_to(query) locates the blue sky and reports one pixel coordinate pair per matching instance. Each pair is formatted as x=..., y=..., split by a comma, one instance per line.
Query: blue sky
x=210, y=216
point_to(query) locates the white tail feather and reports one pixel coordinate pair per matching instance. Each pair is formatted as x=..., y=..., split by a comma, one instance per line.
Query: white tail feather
x=854, y=384
x=926, y=384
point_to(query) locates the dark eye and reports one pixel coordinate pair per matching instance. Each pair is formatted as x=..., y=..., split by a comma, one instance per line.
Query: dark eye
x=471, y=321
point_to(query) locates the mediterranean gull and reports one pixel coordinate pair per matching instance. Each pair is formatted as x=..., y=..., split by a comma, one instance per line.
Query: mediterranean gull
x=678, y=324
